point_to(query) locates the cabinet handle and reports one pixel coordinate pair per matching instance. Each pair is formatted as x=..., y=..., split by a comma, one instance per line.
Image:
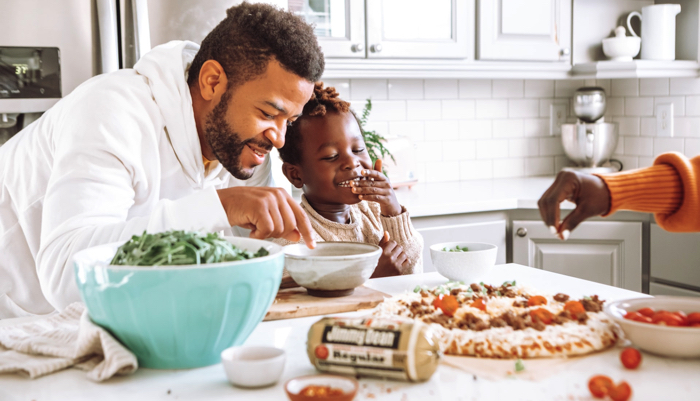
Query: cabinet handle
x=375, y=48
x=565, y=51
x=521, y=232
x=357, y=47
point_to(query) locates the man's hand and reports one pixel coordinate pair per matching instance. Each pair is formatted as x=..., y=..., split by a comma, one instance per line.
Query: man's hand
x=377, y=188
x=393, y=261
x=267, y=212
x=588, y=192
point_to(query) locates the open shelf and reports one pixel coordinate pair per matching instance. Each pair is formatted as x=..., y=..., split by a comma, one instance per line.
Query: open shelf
x=636, y=69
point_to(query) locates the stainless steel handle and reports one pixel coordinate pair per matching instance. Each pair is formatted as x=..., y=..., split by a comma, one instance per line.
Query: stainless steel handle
x=565, y=51
x=107, y=29
x=137, y=38
x=357, y=47
x=521, y=232
x=375, y=48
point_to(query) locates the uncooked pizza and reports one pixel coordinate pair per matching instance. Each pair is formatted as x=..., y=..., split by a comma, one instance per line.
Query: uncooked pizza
x=506, y=321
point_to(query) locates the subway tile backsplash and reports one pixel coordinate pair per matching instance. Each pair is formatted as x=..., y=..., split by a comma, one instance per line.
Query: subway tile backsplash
x=465, y=129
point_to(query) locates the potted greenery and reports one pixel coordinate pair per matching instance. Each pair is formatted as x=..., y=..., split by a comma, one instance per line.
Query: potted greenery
x=373, y=140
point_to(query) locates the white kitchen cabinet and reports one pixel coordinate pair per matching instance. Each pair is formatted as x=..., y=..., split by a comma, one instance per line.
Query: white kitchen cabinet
x=459, y=228
x=339, y=25
x=419, y=29
x=604, y=252
x=675, y=258
x=526, y=30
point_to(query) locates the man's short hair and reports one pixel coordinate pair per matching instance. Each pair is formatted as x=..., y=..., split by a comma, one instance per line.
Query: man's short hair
x=253, y=34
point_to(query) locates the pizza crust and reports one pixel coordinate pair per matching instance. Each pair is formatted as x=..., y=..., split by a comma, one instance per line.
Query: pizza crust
x=556, y=340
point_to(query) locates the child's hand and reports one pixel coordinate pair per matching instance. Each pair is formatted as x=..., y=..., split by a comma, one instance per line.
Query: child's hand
x=377, y=189
x=393, y=261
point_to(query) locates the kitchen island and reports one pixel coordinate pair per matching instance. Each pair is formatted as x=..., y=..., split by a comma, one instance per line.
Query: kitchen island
x=657, y=378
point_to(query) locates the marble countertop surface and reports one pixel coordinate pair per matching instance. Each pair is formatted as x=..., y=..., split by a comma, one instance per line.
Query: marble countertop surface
x=454, y=197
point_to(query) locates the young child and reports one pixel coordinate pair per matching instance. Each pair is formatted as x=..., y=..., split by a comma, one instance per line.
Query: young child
x=345, y=198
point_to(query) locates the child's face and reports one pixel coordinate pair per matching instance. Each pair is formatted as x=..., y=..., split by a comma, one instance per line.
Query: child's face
x=333, y=152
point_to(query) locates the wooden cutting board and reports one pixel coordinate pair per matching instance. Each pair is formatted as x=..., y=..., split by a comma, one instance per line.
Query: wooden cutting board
x=295, y=302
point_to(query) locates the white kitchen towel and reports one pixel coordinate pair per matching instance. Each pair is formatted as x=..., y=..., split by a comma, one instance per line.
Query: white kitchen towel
x=62, y=340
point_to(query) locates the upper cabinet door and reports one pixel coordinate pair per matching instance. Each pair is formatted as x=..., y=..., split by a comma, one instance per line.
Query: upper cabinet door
x=338, y=24
x=528, y=30
x=420, y=29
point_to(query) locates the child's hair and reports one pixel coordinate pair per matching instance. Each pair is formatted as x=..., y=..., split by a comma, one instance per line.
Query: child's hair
x=322, y=100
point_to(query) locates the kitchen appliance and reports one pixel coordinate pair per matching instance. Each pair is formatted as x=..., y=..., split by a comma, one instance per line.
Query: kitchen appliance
x=621, y=47
x=658, y=30
x=47, y=48
x=591, y=141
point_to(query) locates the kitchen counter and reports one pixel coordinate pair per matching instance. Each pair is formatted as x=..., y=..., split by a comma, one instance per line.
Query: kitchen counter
x=657, y=378
x=454, y=197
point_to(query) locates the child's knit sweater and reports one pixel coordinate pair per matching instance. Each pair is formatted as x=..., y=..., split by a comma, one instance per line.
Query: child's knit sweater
x=368, y=225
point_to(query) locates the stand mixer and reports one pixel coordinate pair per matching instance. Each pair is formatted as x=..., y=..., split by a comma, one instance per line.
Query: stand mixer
x=591, y=141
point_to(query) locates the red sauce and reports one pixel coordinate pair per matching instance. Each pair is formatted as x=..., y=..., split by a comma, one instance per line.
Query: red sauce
x=321, y=391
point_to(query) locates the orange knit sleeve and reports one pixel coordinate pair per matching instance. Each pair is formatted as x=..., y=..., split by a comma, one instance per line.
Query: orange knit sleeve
x=669, y=189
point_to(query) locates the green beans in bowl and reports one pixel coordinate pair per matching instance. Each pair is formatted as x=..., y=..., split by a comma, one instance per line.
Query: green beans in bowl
x=175, y=316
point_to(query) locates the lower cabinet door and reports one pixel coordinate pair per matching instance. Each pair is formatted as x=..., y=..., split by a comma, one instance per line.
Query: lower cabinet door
x=604, y=252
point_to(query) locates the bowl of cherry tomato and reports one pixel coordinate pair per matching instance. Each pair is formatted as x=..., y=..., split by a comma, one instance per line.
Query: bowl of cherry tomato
x=664, y=325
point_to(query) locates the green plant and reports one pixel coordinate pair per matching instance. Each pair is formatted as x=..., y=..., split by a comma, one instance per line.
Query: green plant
x=373, y=140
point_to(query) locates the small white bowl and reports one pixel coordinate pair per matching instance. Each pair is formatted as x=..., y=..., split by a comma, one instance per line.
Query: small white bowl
x=677, y=342
x=348, y=385
x=467, y=266
x=332, y=268
x=621, y=48
x=253, y=366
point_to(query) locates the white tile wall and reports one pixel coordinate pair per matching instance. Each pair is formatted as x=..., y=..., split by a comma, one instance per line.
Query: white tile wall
x=480, y=129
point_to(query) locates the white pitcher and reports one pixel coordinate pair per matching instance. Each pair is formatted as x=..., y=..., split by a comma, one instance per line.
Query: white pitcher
x=658, y=30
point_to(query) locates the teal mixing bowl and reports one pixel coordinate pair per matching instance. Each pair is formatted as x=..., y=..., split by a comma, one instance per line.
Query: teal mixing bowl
x=178, y=317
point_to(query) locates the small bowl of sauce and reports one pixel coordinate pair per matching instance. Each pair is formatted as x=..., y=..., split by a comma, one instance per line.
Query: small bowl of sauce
x=321, y=387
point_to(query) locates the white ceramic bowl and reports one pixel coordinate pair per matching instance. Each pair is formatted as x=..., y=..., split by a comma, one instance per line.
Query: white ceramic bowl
x=677, y=342
x=253, y=366
x=332, y=268
x=621, y=48
x=467, y=266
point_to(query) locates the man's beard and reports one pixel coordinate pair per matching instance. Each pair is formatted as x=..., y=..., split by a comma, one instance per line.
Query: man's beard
x=226, y=143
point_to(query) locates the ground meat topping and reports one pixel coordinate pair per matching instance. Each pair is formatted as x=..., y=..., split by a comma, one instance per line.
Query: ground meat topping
x=475, y=287
x=520, y=304
x=498, y=322
x=561, y=297
x=513, y=320
x=592, y=304
x=455, y=291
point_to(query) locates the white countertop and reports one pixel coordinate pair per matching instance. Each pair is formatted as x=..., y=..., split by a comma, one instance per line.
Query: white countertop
x=657, y=378
x=430, y=199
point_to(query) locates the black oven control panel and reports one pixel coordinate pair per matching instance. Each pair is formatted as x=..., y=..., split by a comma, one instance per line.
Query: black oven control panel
x=30, y=72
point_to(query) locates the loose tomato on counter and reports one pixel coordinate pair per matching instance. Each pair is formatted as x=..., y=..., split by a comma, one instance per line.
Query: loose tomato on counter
x=600, y=386
x=537, y=300
x=630, y=358
x=621, y=392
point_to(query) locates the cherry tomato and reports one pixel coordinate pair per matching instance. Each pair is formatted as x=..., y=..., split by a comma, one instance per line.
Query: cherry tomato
x=600, y=386
x=436, y=302
x=449, y=305
x=537, y=300
x=667, y=319
x=694, y=325
x=621, y=392
x=541, y=314
x=648, y=312
x=479, y=304
x=693, y=318
x=683, y=316
x=632, y=315
x=630, y=358
x=574, y=307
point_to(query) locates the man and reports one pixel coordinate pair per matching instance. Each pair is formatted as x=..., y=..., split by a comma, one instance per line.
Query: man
x=179, y=142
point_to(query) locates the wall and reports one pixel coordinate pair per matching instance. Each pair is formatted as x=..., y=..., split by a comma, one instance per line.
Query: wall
x=479, y=129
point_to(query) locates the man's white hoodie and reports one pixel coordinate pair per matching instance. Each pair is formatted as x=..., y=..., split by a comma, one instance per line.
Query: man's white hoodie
x=117, y=156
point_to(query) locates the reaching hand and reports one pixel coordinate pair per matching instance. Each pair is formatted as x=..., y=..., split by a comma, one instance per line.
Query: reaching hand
x=377, y=188
x=393, y=261
x=588, y=192
x=267, y=212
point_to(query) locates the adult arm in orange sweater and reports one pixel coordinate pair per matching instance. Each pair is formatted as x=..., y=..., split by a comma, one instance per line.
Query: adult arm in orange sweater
x=670, y=189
